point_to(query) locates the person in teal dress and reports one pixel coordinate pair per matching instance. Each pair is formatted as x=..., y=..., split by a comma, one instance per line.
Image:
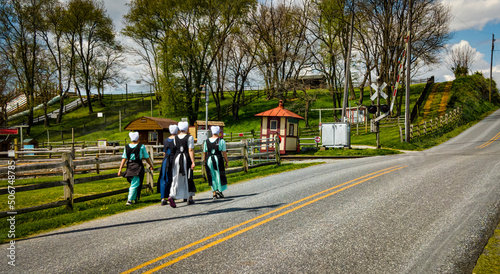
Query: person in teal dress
x=215, y=156
x=133, y=155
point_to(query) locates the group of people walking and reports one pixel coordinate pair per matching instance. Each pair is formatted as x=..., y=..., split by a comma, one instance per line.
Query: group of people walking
x=175, y=181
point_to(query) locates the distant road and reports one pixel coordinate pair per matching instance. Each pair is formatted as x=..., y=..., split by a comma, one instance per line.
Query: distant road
x=422, y=212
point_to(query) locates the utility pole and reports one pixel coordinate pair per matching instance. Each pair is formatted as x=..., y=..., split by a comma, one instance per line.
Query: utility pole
x=347, y=71
x=491, y=64
x=408, y=76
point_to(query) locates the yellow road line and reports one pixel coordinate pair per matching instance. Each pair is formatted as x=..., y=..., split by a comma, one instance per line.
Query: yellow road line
x=490, y=141
x=266, y=221
x=373, y=175
x=244, y=223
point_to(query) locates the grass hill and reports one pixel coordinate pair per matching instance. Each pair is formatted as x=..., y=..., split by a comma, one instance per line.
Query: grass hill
x=470, y=93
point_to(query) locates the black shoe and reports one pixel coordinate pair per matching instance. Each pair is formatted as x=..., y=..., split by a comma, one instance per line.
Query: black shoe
x=219, y=194
x=190, y=201
x=214, y=198
x=164, y=202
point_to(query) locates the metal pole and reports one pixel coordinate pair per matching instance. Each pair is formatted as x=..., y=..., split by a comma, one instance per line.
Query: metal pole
x=206, y=106
x=408, y=76
x=491, y=63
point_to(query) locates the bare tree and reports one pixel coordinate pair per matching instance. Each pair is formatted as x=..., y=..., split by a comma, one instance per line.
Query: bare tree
x=460, y=58
x=7, y=91
x=106, y=68
x=93, y=29
x=284, y=50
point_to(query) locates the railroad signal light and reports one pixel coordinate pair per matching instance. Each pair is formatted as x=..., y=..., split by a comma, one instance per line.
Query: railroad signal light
x=384, y=108
x=372, y=109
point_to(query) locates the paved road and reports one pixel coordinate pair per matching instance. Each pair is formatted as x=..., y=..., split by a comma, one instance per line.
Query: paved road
x=424, y=212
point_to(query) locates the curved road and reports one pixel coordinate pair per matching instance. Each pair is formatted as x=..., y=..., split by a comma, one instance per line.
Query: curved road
x=421, y=212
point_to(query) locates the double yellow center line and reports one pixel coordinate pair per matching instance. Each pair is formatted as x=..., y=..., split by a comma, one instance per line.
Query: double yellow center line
x=490, y=141
x=290, y=208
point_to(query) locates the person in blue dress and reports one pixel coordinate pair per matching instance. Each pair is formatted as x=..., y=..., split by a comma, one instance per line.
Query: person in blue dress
x=133, y=155
x=165, y=178
x=215, y=156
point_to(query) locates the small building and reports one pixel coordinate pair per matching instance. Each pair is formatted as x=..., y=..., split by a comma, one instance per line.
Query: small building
x=284, y=123
x=152, y=130
x=30, y=143
x=201, y=125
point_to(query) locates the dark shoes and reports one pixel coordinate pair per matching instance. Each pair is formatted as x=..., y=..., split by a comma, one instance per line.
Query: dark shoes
x=190, y=201
x=172, y=202
x=219, y=194
x=164, y=202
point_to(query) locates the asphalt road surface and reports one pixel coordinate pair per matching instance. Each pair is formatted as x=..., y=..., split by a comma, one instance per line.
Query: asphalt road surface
x=421, y=212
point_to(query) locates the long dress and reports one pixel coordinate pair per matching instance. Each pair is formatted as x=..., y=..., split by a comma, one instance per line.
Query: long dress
x=165, y=178
x=182, y=176
x=216, y=173
x=134, y=153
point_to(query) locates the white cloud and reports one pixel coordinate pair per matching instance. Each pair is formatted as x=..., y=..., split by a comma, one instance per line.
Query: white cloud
x=476, y=14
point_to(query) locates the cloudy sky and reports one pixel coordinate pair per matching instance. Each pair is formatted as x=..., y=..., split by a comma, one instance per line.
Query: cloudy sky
x=473, y=23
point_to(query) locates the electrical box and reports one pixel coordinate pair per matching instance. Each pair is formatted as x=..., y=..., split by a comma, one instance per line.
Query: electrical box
x=336, y=135
x=202, y=135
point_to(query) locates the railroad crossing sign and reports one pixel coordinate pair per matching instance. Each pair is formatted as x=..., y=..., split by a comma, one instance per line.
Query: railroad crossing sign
x=317, y=139
x=377, y=90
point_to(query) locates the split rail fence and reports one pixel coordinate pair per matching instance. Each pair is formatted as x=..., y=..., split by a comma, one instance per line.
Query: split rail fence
x=432, y=125
x=69, y=160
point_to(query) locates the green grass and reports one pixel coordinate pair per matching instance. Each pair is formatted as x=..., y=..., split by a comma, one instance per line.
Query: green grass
x=489, y=261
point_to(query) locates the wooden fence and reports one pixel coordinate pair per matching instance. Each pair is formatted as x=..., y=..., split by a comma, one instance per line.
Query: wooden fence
x=432, y=125
x=69, y=161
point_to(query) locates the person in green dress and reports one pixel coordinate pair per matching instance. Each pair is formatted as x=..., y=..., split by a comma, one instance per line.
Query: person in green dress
x=215, y=156
x=133, y=155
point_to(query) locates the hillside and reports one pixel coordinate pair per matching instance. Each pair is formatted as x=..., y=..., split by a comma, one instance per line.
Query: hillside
x=469, y=92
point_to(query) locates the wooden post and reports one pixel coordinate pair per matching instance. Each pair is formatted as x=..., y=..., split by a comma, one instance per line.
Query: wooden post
x=244, y=153
x=68, y=177
x=149, y=173
x=203, y=167
x=97, y=166
x=16, y=149
x=277, y=149
x=50, y=151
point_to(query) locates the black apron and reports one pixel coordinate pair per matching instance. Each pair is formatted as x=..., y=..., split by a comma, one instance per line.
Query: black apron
x=182, y=151
x=135, y=167
x=220, y=166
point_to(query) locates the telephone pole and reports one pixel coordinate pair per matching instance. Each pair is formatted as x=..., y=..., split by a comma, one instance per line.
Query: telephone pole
x=408, y=77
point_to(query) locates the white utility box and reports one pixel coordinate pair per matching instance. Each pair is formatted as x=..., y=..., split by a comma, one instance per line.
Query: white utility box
x=336, y=135
x=202, y=135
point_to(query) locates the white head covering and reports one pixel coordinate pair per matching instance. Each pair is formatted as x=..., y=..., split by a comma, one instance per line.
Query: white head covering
x=134, y=136
x=173, y=129
x=215, y=130
x=183, y=126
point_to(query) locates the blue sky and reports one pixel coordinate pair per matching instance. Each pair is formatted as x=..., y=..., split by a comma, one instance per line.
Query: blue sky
x=473, y=23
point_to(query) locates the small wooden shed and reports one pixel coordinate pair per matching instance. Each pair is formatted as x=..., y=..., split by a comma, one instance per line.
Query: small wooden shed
x=284, y=123
x=201, y=125
x=152, y=130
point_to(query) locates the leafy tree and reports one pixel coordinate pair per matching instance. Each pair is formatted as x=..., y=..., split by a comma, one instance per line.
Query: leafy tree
x=191, y=35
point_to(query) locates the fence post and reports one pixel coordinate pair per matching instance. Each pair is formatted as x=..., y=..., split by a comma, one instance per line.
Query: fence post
x=150, y=180
x=97, y=162
x=244, y=152
x=68, y=177
x=277, y=149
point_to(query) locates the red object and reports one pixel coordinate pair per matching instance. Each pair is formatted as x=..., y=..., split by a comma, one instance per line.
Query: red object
x=317, y=139
x=8, y=131
x=279, y=112
x=240, y=134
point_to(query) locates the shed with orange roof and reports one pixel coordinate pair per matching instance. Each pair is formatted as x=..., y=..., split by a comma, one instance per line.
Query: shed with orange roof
x=283, y=123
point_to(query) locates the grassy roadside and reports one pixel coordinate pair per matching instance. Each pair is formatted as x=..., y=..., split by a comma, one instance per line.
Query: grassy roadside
x=30, y=224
